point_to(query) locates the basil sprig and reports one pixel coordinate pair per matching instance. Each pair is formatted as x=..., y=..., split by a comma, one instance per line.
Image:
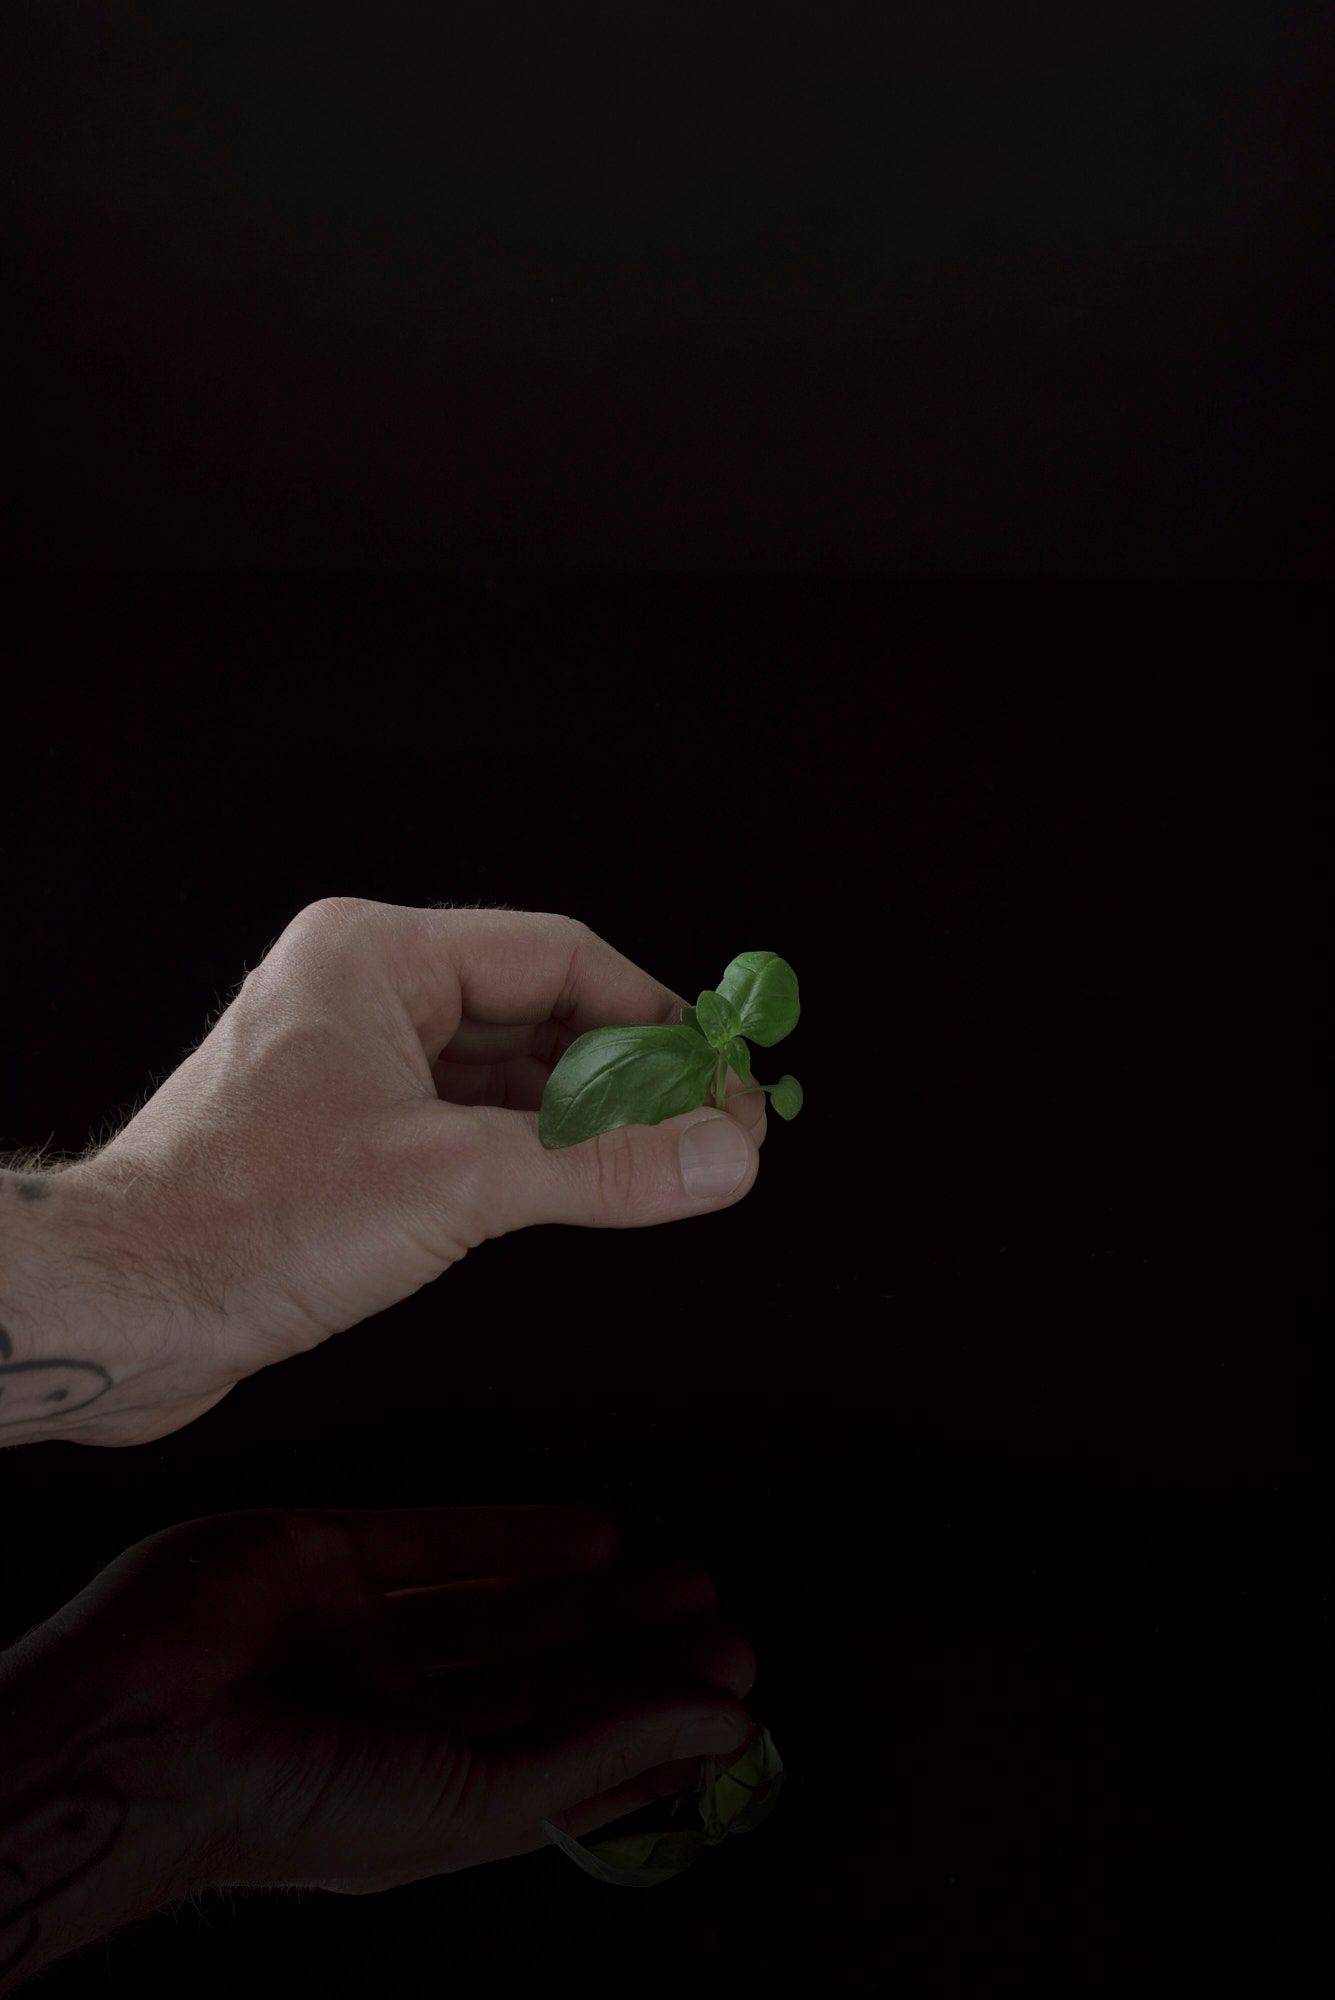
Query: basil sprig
x=640, y=1076
x=731, y=1800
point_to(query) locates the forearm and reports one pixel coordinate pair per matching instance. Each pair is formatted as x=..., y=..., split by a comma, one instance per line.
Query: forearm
x=96, y=1831
x=86, y=1338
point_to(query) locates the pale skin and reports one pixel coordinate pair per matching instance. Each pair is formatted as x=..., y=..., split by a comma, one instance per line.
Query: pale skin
x=346, y=1701
x=361, y=1116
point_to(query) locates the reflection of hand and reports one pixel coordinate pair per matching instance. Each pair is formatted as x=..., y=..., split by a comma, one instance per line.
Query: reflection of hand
x=344, y=1700
x=363, y=1114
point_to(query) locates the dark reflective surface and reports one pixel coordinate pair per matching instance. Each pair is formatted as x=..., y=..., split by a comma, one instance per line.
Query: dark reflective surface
x=986, y=1412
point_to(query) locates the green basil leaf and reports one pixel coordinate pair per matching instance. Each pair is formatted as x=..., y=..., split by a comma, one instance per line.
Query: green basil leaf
x=759, y=1808
x=623, y=1076
x=632, y=1850
x=736, y=1797
x=786, y=1096
x=763, y=988
x=731, y=1799
x=718, y=1019
x=748, y=1790
x=738, y=1056
x=690, y=1019
x=635, y=1861
x=715, y=1823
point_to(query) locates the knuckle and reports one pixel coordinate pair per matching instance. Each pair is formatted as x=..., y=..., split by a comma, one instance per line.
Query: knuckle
x=312, y=1540
x=159, y=1547
x=321, y=911
x=258, y=1530
x=212, y=1538
x=330, y=913
x=322, y=933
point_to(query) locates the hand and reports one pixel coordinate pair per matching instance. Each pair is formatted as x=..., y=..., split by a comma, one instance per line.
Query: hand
x=347, y=1701
x=362, y=1115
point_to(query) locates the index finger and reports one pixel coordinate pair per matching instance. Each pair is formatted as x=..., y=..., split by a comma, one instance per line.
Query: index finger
x=518, y=968
x=405, y=1548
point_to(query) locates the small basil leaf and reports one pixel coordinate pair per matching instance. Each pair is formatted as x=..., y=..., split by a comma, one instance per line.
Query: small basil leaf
x=786, y=1096
x=748, y=1790
x=736, y=1797
x=759, y=1808
x=635, y=1861
x=690, y=1019
x=623, y=1076
x=632, y=1850
x=763, y=988
x=718, y=1018
x=738, y=1056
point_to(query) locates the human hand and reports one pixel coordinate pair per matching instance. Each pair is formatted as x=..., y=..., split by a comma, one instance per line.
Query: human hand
x=363, y=1114
x=346, y=1701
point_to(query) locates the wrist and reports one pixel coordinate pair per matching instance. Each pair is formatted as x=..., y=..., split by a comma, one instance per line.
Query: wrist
x=97, y=1827
x=90, y=1344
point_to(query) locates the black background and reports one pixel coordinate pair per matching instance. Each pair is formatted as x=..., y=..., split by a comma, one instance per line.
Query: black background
x=828, y=286
x=988, y=1410
x=855, y=482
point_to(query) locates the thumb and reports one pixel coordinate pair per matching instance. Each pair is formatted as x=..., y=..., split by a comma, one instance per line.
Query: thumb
x=627, y=1178
x=605, y=1763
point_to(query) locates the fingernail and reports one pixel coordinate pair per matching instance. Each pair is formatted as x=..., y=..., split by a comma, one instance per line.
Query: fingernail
x=714, y=1156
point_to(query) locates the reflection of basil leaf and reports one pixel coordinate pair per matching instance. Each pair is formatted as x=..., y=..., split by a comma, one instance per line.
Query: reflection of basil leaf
x=760, y=1803
x=733, y=1800
x=639, y=1861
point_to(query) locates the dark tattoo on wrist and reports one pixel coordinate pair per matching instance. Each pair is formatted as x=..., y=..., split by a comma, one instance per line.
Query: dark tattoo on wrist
x=29, y=1185
x=55, y=1385
x=63, y=1837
